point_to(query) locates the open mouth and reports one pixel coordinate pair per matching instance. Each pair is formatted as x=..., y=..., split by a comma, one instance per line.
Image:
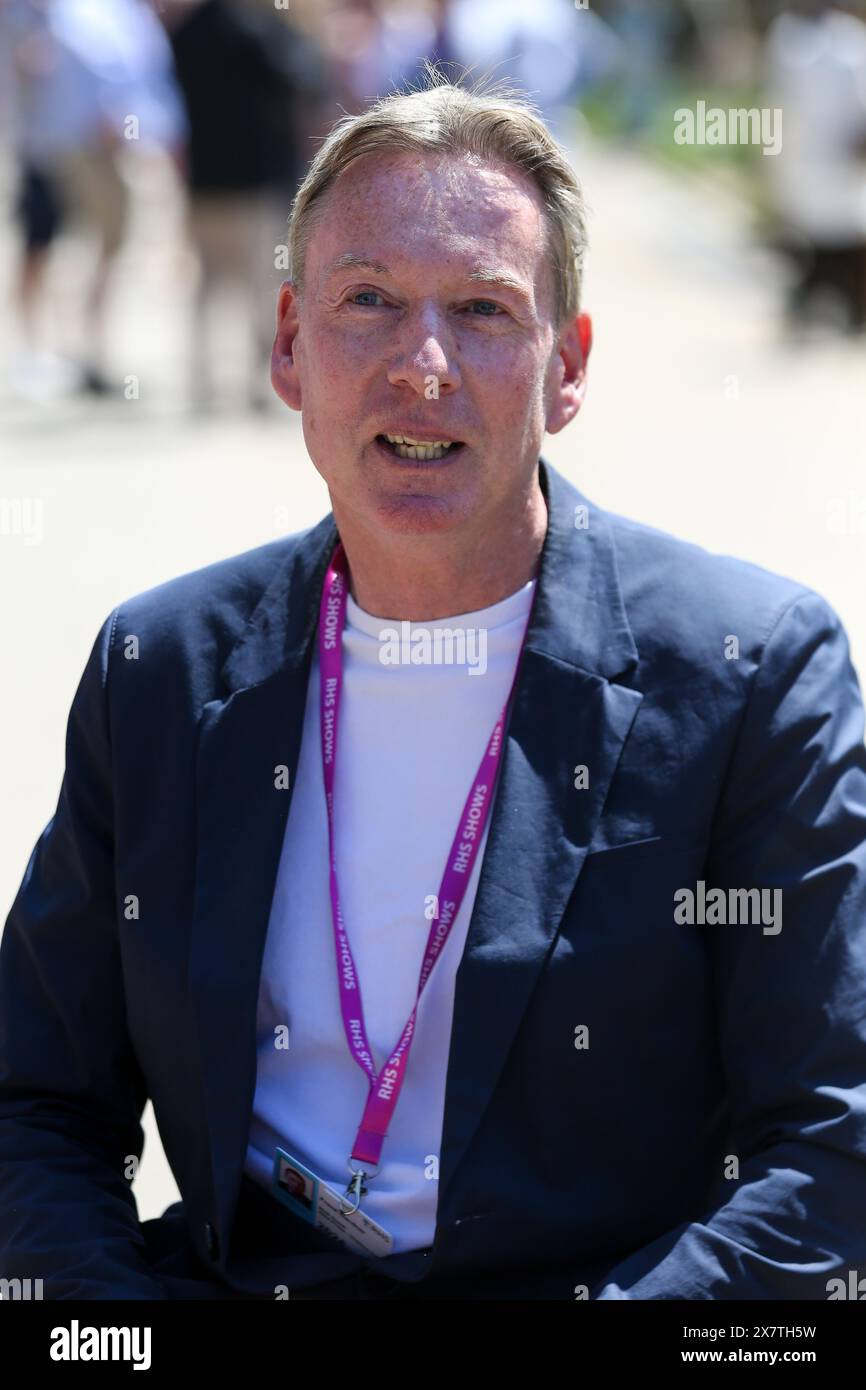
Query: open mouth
x=421, y=450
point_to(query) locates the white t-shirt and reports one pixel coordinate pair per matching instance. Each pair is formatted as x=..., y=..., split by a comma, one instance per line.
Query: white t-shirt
x=409, y=743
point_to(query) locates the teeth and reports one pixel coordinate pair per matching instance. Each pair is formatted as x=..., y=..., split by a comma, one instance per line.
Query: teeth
x=418, y=448
x=417, y=443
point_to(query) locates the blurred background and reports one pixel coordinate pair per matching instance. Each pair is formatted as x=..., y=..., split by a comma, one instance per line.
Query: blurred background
x=148, y=157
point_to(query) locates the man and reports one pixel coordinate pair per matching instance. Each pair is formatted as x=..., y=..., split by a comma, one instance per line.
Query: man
x=545, y=966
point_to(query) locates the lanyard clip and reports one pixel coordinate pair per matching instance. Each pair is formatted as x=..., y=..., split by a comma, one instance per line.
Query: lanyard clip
x=358, y=1185
x=357, y=1188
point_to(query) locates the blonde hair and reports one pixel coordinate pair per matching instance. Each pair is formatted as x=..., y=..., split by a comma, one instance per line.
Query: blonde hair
x=491, y=123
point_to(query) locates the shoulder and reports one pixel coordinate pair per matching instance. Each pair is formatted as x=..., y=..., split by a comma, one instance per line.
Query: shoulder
x=217, y=597
x=181, y=631
x=689, y=606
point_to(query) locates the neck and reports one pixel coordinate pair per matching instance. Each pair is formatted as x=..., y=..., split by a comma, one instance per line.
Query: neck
x=422, y=578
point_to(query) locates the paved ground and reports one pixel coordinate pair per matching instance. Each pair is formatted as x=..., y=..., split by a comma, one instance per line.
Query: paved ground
x=698, y=421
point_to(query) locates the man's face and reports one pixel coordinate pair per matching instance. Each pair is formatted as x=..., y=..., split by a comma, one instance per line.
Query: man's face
x=295, y=1183
x=428, y=313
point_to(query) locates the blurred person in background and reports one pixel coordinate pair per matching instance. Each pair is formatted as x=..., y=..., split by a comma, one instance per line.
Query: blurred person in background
x=249, y=78
x=92, y=84
x=647, y=35
x=816, y=73
x=374, y=46
x=36, y=203
x=549, y=49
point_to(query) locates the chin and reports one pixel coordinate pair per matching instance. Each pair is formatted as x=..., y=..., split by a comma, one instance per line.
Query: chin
x=418, y=515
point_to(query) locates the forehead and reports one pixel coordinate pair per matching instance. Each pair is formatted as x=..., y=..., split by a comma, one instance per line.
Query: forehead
x=433, y=208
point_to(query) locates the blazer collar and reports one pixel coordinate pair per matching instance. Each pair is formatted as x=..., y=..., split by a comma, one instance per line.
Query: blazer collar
x=578, y=616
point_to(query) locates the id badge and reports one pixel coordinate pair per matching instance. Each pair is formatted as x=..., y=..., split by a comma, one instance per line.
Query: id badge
x=310, y=1198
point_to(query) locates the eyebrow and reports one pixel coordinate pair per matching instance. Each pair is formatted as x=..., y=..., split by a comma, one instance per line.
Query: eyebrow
x=486, y=275
x=350, y=259
x=489, y=276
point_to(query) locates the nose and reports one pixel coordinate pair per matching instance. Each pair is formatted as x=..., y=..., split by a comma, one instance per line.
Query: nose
x=425, y=355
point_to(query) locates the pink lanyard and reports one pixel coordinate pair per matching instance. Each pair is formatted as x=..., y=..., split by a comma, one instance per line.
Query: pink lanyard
x=385, y=1088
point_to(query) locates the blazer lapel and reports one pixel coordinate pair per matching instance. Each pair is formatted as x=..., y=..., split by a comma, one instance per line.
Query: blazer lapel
x=244, y=737
x=568, y=710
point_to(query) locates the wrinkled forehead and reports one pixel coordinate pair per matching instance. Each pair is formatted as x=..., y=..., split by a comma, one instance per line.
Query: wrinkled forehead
x=434, y=210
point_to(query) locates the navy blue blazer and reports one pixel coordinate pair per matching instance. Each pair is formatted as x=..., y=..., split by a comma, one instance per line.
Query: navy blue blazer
x=636, y=1106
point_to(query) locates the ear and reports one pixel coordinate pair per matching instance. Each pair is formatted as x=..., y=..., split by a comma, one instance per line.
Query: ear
x=569, y=383
x=284, y=372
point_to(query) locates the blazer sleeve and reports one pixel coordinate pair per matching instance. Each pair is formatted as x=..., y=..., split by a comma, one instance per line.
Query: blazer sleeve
x=790, y=1003
x=71, y=1091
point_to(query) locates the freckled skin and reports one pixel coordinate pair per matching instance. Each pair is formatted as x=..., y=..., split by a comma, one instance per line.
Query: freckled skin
x=357, y=349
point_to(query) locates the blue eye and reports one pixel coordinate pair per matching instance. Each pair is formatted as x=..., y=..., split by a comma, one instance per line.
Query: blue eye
x=489, y=304
x=356, y=297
